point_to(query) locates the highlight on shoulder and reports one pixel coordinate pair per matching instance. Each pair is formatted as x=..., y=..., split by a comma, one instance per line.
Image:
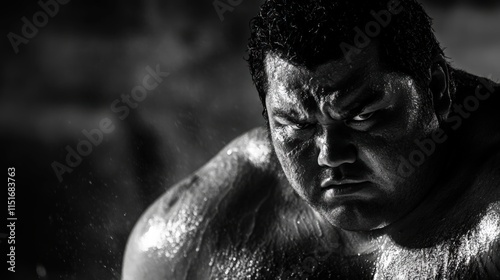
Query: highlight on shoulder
x=180, y=220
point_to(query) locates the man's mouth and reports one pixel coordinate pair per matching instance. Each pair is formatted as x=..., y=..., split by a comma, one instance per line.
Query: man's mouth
x=344, y=186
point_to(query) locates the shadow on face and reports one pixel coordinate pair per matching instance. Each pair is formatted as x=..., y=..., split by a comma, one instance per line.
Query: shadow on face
x=341, y=132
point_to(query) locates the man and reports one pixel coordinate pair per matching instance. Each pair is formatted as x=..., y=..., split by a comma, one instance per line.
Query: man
x=379, y=160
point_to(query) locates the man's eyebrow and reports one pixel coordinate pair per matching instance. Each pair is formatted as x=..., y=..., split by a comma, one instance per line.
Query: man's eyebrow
x=367, y=99
x=353, y=85
x=287, y=114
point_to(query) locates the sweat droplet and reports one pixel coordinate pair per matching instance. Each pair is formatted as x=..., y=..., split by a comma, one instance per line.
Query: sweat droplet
x=231, y=151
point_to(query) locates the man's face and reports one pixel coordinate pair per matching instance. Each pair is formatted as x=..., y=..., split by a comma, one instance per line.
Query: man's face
x=339, y=131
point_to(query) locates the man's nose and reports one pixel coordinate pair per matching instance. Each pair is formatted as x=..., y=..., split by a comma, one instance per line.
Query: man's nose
x=335, y=148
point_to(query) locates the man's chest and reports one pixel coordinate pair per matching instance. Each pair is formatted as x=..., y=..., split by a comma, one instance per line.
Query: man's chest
x=472, y=261
x=308, y=251
x=296, y=244
x=319, y=263
x=474, y=254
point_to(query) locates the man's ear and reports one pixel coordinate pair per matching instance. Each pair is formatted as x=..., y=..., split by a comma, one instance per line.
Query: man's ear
x=439, y=87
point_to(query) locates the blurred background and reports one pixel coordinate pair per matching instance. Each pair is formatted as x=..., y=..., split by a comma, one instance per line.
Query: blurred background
x=87, y=55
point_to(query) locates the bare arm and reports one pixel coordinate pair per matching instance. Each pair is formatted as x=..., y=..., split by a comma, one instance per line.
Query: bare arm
x=169, y=239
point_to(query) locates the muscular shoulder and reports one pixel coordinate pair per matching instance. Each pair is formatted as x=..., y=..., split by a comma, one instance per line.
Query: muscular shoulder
x=236, y=217
x=175, y=230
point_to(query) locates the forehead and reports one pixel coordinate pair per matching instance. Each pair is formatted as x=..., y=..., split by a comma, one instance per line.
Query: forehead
x=331, y=75
x=334, y=82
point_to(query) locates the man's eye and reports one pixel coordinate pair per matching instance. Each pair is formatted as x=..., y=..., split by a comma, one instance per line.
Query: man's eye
x=363, y=117
x=299, y=126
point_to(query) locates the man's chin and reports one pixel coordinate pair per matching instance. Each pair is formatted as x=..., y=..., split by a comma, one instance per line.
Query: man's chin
x=352, y=218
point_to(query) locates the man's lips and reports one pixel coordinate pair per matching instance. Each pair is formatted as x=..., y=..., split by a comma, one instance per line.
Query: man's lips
x=333, y=183
x=344, y=187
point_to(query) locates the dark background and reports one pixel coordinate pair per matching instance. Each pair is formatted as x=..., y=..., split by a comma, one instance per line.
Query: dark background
x=67, y=76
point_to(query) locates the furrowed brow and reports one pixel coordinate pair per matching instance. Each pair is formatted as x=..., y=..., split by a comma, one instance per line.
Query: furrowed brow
x=361, y=103
x=292, y=115
x=346, y=85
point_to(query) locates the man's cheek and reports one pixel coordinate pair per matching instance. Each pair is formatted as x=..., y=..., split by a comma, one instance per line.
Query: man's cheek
x=295, y=157
x=381, y=155
x=286, y=142
x=279, y=134
x=302, y=163
x=388, y=143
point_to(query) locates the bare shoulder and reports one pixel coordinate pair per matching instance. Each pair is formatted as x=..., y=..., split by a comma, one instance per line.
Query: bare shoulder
x=235, y=218
x=175, y=231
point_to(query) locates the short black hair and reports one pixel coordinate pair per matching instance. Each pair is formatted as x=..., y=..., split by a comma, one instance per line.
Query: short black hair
x=310, y=32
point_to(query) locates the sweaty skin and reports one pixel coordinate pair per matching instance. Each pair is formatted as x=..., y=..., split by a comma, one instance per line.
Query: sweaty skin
x=256, y=210
x=346, y=123
x=238, y=218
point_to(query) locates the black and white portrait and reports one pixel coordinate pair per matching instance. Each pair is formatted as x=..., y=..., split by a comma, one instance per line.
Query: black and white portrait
x=233, y=139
